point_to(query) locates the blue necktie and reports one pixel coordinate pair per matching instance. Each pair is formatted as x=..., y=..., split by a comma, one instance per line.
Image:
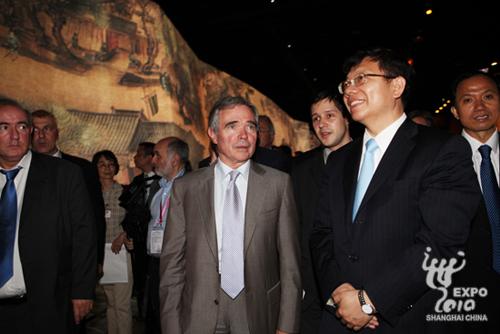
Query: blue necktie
x=8, y=218
x=491, y=195
x=365, y=175
x=233, y=230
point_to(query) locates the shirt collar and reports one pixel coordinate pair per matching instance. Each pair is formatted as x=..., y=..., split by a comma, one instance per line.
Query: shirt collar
x=475, y=144
x=164, y=183
x=384, y=138
x=225, y=169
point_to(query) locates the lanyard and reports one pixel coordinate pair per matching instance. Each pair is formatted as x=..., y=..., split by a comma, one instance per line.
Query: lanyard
x=163, y=209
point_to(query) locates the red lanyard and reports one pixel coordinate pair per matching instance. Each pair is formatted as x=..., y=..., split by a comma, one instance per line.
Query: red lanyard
x=163, y=208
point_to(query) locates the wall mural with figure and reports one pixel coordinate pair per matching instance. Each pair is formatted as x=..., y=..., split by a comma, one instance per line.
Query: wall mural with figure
x=116, y=73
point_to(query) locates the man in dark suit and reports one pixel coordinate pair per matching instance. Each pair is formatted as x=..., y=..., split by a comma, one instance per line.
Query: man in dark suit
x=330, y=121
x=136, y=199
x=476, y=104
x=48, y=257
x=267, y=154
x=44, y=140
x=386, y=198
x=230, y=257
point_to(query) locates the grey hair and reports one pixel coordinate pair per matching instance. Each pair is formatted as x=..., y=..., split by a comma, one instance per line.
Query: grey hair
x=227, y=102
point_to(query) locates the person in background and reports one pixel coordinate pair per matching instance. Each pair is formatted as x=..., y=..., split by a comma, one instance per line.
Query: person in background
x=422, y=117
x=136, y=199
x=330, y=121
x=171, y=161
x=44, y=140
x=386, y=200
x=230, y=257
x=48, y=257
x=476, y=105
x=265, y=152
x=118, y=295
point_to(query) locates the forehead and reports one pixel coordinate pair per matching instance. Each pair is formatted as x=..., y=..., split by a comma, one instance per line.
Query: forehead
x=477, y=82
x=367, y=65
x=12, y=114
x=236, y=113
x=41, y=121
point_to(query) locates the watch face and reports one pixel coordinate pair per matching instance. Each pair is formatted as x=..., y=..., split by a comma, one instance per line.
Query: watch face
x=367, y=309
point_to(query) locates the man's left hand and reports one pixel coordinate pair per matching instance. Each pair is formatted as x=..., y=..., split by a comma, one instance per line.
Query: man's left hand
x=349, y=310
x=81, y=307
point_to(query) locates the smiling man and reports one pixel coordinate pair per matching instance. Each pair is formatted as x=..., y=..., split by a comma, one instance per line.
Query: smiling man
x=230, y=258
x=385, y=198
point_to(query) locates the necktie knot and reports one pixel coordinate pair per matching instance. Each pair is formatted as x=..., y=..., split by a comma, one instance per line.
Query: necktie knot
x=485, y=151
x=371, y=146
x=233, y=175
x=10, y=174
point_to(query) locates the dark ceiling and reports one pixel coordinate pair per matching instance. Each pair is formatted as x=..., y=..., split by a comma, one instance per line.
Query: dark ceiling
x=290, y=49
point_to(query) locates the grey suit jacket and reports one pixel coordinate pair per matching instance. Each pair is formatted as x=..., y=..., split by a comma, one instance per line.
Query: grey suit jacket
x=189, y=275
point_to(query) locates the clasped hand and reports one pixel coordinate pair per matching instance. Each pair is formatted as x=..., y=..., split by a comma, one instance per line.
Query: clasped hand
x=349, y=310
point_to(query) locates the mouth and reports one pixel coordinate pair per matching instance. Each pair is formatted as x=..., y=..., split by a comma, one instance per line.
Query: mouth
x=482, y=117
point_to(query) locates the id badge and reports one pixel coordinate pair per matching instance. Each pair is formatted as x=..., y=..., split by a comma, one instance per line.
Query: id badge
x=156, y=241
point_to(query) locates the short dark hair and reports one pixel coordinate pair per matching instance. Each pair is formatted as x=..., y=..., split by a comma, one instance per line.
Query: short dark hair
x=6, y=102
x=332, y=95
x=108, y=155
x=42, y=113
x=467, y=75
x=148, y=147
x=181, y=148
x=225, y=103
x=392, y=63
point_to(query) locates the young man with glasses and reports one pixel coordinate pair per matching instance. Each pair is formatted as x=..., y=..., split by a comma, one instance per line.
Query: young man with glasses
x=385, y=199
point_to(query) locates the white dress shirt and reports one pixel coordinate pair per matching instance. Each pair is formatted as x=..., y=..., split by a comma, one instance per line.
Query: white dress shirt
x=221, y=180
x=476, y=155
x=383, y=140
x=15, y=286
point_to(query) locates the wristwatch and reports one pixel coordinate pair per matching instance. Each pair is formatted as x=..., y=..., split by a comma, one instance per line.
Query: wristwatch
x=366, y=308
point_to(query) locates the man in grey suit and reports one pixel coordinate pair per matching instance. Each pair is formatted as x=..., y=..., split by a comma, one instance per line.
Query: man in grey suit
x=230, y=275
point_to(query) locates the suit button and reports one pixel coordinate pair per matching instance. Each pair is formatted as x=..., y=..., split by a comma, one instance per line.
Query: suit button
x=353, y=258
x=216, y=302
x=409, y=307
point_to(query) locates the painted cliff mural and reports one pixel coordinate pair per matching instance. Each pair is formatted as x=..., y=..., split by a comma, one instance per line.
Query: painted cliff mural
x=116, y=73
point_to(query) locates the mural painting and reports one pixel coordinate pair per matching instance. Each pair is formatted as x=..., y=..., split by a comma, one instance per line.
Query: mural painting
x=116, y=73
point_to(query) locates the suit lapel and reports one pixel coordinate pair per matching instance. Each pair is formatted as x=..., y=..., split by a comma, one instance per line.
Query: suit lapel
x=33, y=196
x=255, y=200
x=206, y=208
x=398, y=151
x=351, y=177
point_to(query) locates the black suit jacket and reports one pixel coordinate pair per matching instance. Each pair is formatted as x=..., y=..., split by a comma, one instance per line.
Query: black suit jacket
x=423, y=194
x=479, y=272
x=307, y=173
x=96, y=200
x=274, y=158
x=56, y=246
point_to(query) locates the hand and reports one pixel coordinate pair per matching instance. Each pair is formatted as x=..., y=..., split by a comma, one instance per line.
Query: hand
x=349, y=310
x=280, y=332
x=81, y=307
x=129, y=243
x=116, y=246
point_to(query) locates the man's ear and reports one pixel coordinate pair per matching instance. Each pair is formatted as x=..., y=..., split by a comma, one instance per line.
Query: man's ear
x=454, y=111
x=212, y=135
x=398, y=85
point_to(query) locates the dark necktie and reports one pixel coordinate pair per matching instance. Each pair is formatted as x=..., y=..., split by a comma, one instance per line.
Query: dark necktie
x=8, y=217
x=491, y=195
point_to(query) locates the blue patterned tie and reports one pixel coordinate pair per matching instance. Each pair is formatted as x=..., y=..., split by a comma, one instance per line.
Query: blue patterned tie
x=8, y=218
x=491, y=195
x=365, y=175
x=233, y=229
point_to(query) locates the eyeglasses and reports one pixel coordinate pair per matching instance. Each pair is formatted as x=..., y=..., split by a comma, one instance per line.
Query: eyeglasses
x=360, y=80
